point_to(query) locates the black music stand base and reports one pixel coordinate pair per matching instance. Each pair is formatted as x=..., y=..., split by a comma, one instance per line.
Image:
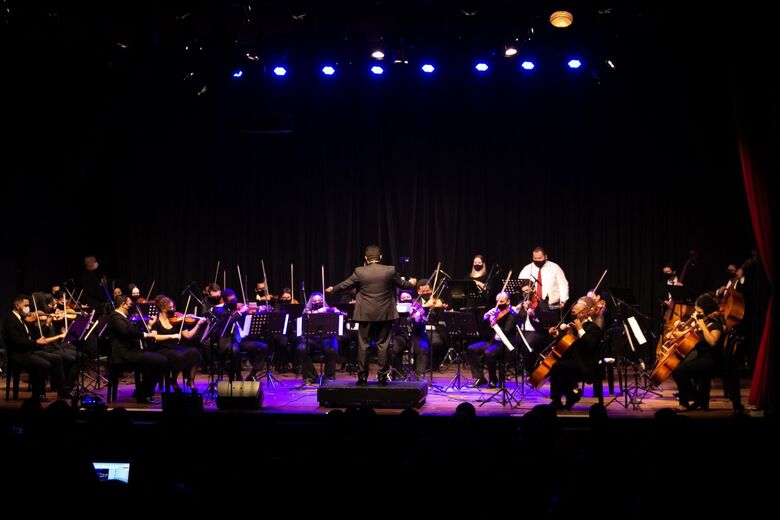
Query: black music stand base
x=506, y=397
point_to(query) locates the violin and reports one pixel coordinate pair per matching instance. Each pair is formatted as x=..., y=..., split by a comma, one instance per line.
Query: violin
x=188, y=319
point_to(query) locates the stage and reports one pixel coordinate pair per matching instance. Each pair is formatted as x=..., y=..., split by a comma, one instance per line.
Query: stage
x=291, y=396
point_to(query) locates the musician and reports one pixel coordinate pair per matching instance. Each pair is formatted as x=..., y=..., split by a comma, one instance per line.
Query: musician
x=261, y=294
x=533, y=331
x=329, y=345
x=494, y=351
x=94, y=283
x=735, y=280
x=479, y=272
x=694, y=375
x=181, y=355
x=662, y=295
x=410, y=334
x=375, y=308
x=127, y=347
x=230, y=342
x=549, y=284
x=580, y=362
x=134, y=291
x=23, y=350
x=433, y=306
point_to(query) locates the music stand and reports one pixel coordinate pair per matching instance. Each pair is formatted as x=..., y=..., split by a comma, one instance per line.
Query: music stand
x=264, y=325
x=460, y=325
x=76, y=335
x=349, y=309
x=402, y=327
x=319, y=326
x=514, y=286
x=463, y=290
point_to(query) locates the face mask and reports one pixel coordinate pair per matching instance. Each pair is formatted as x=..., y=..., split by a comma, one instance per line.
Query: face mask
x=232, y=305
x=26, y=310
x=477, y=267
x=502, y=306
x=135, y=297
x=540, y=264
x=214, y=299
x=316, y=306
x=171, y=313
x=285, y=299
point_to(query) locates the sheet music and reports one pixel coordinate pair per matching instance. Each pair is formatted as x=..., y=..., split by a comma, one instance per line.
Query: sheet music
x=504, y=339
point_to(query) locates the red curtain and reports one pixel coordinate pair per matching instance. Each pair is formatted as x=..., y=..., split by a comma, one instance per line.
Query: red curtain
x=760, y=214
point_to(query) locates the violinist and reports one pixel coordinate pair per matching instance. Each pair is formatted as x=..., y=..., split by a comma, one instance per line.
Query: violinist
x=534, y=332
x=494, y=351
x=174, y=345
x=262, y=296
x=694, y=375
x=24, y=351
x=432, y=306
x=230, y=342
x=329, y=345
x=550, y=285
x=135, y=293
x=51, y=327
x=413, y=337
x=581, y=360
x=127, y=347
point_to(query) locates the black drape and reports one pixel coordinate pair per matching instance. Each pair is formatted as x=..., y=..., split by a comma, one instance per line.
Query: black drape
x=619, y=170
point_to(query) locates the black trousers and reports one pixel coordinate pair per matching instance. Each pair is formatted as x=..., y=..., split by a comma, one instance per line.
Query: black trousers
x=379, y=333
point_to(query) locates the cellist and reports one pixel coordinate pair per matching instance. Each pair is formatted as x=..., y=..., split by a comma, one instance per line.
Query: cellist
x=580, y=361
x=694, y=375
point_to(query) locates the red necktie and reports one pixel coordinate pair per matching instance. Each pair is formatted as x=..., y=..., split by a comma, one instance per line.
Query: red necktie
x=539, y=284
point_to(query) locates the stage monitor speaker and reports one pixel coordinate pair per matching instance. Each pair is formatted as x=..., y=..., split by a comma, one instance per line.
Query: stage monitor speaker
x=397, y=394
x=244, y=395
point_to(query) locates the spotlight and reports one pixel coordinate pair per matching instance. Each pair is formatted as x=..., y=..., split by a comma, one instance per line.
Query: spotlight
x=528, y=65
x=481, y=66
x=611, y=64
x=238, y=73
x=328, y=70
x=561, y=19
x=428, y=68
x=509, y=51
x=377, y=70
x=280, y=71
x=574, y=63
x=378, y=54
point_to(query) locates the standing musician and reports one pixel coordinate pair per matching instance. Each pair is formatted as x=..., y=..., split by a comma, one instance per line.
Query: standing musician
x=316, y=305
x=581, y=359
x=127, y=347
x=494, y=351
x=181, y=356
x=551, y=286
x=694, y=375
x=479, y=272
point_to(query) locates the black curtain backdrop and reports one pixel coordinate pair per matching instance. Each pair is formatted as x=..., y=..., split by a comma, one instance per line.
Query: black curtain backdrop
x=621, y=171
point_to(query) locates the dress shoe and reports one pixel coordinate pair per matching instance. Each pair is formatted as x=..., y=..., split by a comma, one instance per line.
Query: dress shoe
x=362, y=379
x=147, y=400
x=556, y=405
x=382, y=379
x=573, y=398
x=480, y=381
x=492, y=384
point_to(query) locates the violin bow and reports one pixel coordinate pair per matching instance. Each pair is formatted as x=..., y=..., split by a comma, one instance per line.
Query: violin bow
x=216, y=273
x=265, y=281
x=149, y=294
x=186, y=308
x=241, y=283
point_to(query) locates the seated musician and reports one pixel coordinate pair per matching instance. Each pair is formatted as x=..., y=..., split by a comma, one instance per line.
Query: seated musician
x=329, y=345
x=432, y=306
x=127, y=347
x=494, y=351
x=182, y=356
x=410, y=333
x=694, y=375
x=580, y=362
x=231, y=342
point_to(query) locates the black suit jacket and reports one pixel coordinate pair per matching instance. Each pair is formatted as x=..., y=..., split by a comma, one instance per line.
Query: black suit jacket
x=376, y=284
x=17, y=339
x=124, y=335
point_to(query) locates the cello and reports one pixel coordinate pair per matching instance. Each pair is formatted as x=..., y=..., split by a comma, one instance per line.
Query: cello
x=560, y=345
x=676, y=348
